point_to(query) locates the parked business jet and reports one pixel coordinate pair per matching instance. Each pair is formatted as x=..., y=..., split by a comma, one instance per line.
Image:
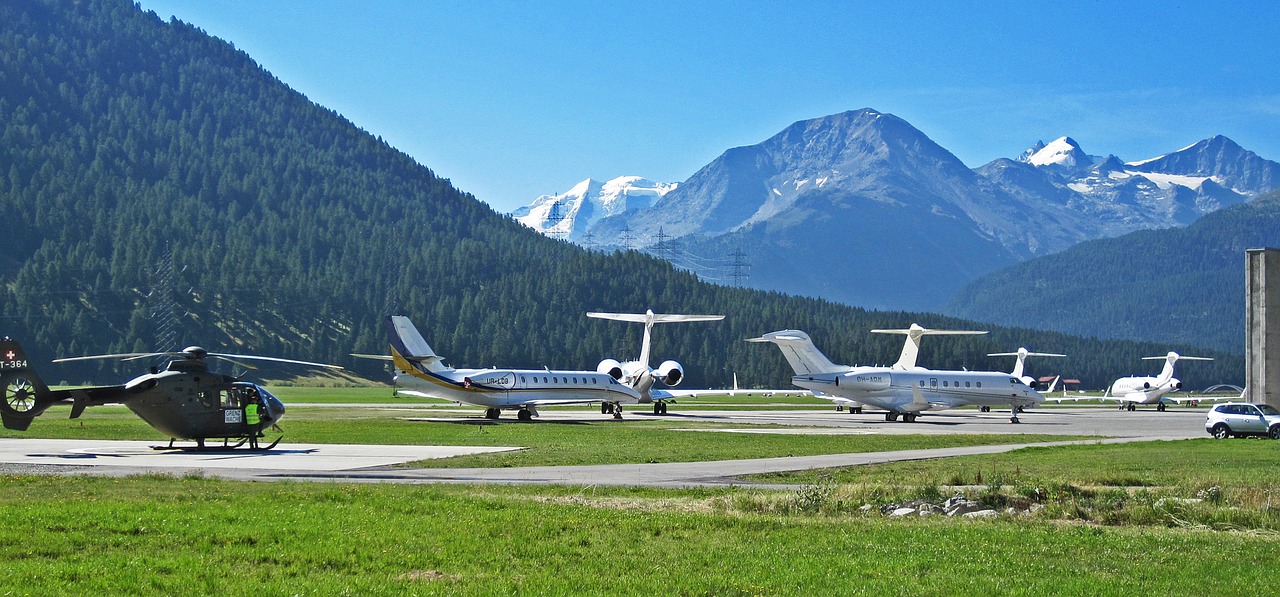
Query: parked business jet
x=423, y=373
x=1019, y=368
x=1132, y=391
x=637, y=374
x=902, y=389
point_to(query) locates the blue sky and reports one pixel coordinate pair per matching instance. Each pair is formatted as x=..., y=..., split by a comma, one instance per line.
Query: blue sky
x=513, y=100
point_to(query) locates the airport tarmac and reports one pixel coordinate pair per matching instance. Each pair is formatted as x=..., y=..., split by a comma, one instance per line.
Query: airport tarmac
x=357, y=463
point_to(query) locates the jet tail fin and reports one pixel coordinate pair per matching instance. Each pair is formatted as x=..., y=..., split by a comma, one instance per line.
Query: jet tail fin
x=911, y=348
x=25, y=394
x=1022, y=355
x=800, y=352
x=648, y=318
x=407, y=344
x=1167, y=372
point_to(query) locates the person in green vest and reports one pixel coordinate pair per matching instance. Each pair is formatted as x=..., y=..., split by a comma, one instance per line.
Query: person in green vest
x=253, y=417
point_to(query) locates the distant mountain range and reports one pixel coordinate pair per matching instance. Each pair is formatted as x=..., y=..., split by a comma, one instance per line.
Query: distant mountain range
x=863, y=208
x=1180, y=286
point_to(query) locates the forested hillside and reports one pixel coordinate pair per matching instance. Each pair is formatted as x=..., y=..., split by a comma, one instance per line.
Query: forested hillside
x=1182, y=285
x=154, y=178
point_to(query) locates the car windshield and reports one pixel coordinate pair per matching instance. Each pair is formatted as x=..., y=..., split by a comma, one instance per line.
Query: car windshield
x=1267, y=409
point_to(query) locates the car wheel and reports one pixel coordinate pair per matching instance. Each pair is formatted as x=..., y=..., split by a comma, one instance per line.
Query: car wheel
x=1274, y=432
x=1221, y=431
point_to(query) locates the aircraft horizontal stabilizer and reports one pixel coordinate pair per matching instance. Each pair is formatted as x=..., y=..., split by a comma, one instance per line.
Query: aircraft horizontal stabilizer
x=916, y=330
x=1177, y=357
x=654, y=317
x=376, y=357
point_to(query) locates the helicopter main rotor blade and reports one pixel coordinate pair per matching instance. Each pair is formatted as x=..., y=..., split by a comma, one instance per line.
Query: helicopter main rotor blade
x=128, y=356
x=234, y=362
x=274, y=359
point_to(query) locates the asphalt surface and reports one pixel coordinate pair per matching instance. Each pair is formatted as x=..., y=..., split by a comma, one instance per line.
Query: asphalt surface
x=380, y=464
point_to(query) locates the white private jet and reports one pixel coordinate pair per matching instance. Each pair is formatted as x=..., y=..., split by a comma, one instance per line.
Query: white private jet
x=903, y=389
x=637, y=374
x=420, y=372
x=1132, y=391
x=1019, y=368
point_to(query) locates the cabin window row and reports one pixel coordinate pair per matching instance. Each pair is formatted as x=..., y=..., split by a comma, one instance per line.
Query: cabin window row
x=556, y=379
x=953, y=384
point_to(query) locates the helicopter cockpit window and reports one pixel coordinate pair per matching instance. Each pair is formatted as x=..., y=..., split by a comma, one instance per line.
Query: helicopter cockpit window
x=230, y=398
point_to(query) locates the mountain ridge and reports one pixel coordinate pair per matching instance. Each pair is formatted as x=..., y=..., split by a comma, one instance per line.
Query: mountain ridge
x=1171, y=285
x=964, y=222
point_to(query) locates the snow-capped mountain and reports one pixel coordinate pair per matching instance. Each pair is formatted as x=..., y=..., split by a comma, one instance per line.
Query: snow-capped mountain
x=568, y=215
x=1170, y=190
x=1064, y=154
x=863, y=208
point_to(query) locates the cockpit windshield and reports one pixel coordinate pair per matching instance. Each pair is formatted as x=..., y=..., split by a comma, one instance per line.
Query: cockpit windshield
x=275, y=408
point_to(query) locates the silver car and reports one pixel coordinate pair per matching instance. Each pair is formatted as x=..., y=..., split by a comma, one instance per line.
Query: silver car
x=1241, y=418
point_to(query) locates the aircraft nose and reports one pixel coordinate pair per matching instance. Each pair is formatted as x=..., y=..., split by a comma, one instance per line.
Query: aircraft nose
x=275, y=408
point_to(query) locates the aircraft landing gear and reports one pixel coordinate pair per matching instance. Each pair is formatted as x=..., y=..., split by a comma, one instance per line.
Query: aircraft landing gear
x=1160, y=407
x=1132, y=407
x=492, y=413
x=524, y=415
x=891, y=416
x=909, y=417
x=659, y=408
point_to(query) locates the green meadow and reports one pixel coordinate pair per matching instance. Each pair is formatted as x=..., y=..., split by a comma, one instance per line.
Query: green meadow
x=1176, y=518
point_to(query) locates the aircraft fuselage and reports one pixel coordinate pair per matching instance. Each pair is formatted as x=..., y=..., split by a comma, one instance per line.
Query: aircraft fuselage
x=921, y=390
x=1143, y=390
x=505, y=388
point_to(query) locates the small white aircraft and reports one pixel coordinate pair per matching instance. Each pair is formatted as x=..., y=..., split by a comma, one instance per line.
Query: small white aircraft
x=637, y=374
x=423, y=373
x=1132, y=391
x=902, y=389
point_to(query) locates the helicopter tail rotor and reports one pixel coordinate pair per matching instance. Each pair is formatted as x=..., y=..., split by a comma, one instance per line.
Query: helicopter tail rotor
x=25, y=394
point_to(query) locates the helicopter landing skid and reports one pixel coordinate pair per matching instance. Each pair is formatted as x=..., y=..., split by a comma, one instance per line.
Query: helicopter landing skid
x=225, y=447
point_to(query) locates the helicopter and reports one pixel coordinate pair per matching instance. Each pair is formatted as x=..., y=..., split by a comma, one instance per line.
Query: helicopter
x=185, y=400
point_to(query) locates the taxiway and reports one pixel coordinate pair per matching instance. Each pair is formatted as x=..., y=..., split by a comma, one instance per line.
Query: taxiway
x=384, y=463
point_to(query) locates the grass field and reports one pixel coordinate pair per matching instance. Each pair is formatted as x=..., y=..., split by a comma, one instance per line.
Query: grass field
x=150, y=535
x=1177, y=518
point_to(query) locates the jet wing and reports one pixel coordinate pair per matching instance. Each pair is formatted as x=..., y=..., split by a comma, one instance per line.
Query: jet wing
x=920, y=404
x=658, y=394
x=555, y=402
x=1190, y=398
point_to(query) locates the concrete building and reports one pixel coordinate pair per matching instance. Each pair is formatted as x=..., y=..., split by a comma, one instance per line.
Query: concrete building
x=1262, y=326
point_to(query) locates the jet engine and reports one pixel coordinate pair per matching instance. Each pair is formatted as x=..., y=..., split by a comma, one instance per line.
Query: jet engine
x=1030, y=381
x=669, y=373
x=611, y=368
